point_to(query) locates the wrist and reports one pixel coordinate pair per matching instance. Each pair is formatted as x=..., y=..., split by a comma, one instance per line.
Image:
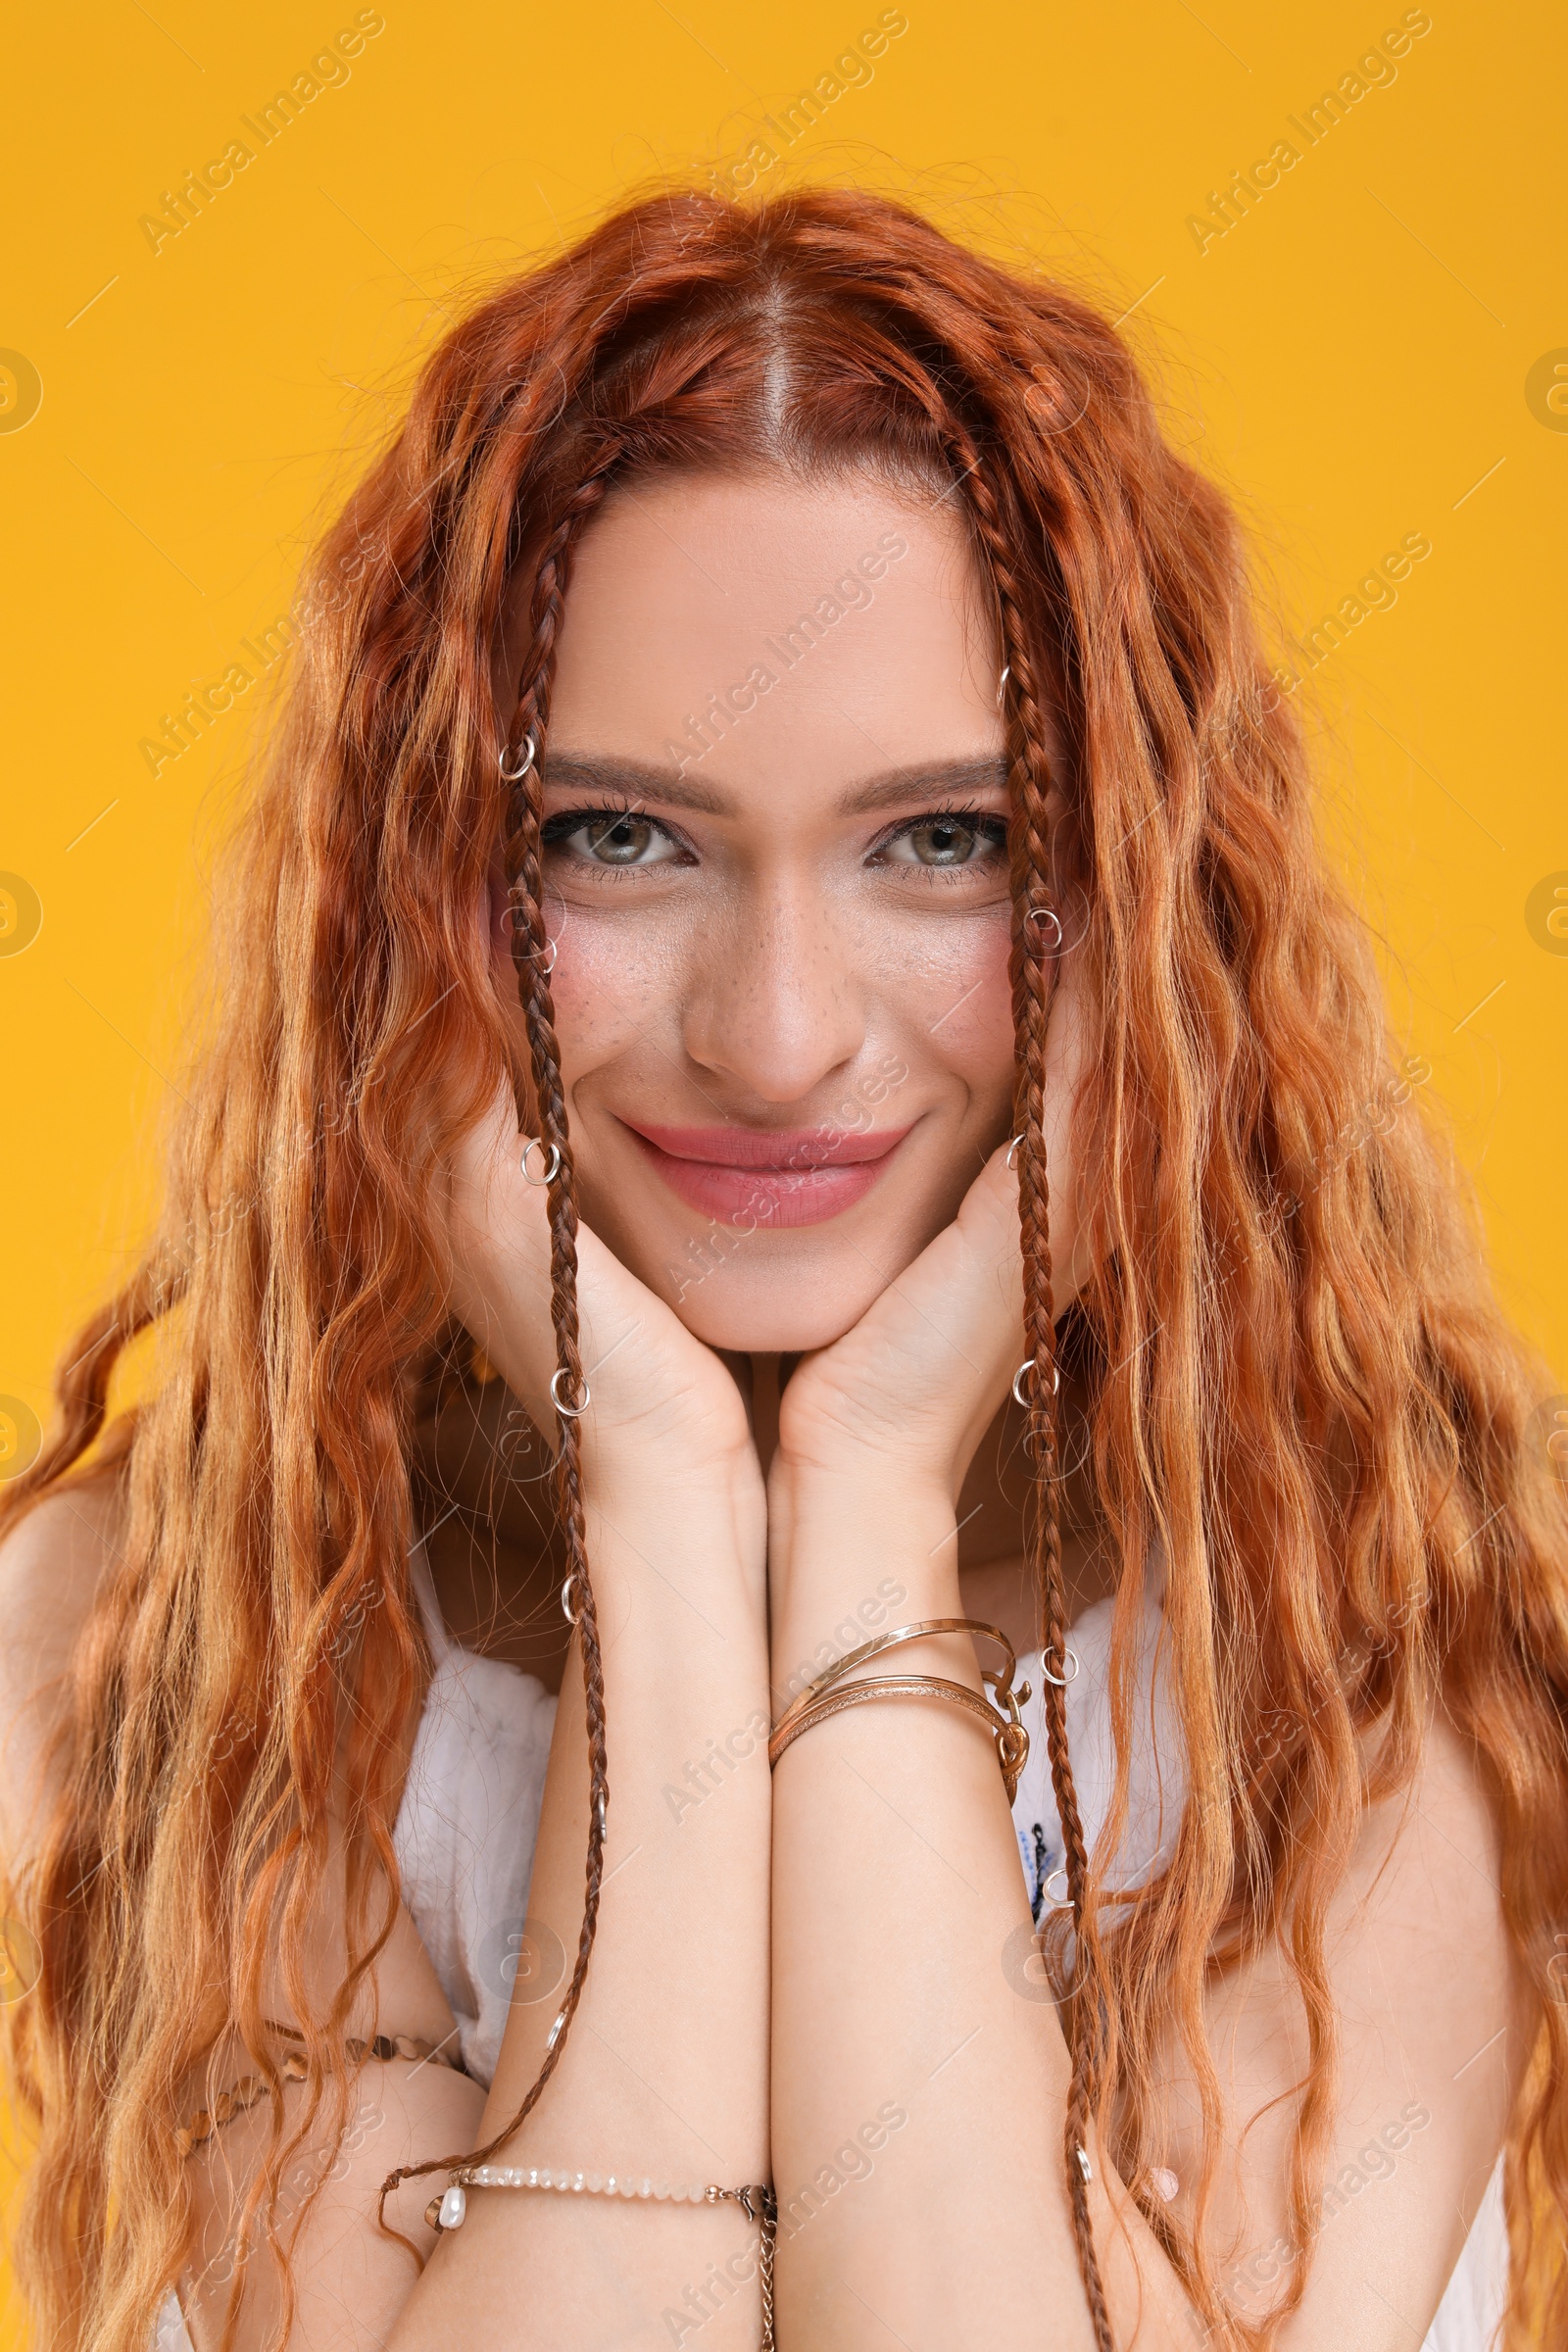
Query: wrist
x=717, y=1481
x=839, y=1549
x=698, y=1541
x=856, y=1505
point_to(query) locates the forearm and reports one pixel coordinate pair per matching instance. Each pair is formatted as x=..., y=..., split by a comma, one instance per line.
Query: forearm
x=663, y=2073
x=897, y=1904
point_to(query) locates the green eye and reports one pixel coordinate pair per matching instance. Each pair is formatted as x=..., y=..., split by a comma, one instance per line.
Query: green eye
x=621, y=840
x=611, y=837
x=947, y=840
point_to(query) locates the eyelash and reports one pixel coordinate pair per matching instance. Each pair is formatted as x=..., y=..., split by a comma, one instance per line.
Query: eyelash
x=556, y=829
x=990, y=827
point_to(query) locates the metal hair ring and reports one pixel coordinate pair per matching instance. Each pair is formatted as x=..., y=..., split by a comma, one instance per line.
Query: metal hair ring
x=1068, y=1656
x=514, y=775
x=551, y=1161
x=1060, y=1872
x=1013, y=1146
x=567, y=1412
x=1029, y=1365
x=511, y=919
x=565, y=1598
x=1046, y=914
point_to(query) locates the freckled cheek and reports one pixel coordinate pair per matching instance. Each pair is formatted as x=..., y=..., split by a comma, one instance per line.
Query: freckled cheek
x=611, y=991
x=955, y=1008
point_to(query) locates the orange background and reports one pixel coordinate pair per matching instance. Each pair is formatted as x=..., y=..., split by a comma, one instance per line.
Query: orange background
x=1366, y=353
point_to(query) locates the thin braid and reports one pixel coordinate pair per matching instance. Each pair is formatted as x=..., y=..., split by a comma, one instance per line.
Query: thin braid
x=1033, y=970
x=523, y=859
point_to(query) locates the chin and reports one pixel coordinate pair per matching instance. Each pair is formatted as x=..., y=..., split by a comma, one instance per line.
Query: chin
x=805, y=1299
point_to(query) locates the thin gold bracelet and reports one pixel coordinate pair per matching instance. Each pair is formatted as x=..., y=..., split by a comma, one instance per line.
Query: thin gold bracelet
x=251, y=2087
x=828, y=1694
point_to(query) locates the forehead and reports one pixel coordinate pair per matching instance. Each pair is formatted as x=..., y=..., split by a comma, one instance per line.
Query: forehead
x=839, y=623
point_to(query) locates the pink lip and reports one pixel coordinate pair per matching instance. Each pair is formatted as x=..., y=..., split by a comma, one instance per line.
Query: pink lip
x=786, y=1176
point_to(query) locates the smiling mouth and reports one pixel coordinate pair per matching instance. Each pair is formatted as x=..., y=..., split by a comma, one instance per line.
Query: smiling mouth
x=787, y=1176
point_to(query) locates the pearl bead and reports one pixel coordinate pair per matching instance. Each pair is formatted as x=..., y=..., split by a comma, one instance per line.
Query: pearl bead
x=645, y=2188
x=1165, y=2181
x=661, y=2191
x=628, y=2187
x=577, y=2179
x=454, y=2205
x=596, y=2183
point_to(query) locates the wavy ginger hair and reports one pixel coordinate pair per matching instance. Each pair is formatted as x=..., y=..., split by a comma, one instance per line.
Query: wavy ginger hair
x=1301, y=1388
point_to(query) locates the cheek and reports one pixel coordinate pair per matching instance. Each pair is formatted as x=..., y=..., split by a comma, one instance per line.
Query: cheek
x=955, y=1006
x=612, y=989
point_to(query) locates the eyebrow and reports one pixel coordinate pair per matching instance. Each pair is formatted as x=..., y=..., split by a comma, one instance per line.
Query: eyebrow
x=578, y=771
x=900, y=784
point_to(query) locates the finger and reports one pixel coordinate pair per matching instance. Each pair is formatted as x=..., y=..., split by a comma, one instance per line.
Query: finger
x=498, y=1230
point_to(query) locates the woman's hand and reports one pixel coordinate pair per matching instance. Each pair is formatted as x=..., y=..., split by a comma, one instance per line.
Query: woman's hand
x=905, y=1396
x=661, y=1404
x=666, y=2058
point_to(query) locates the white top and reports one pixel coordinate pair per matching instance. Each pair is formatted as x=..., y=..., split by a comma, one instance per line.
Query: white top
x=1476, y=2292
x=466, y=1832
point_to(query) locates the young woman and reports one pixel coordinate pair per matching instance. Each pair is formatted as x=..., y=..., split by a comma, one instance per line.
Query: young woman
x=781, y=995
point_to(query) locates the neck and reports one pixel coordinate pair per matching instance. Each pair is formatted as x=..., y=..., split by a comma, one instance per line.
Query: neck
x=485, y=1502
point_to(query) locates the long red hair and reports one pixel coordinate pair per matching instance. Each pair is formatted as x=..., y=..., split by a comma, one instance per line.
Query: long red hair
x=1301, y=1388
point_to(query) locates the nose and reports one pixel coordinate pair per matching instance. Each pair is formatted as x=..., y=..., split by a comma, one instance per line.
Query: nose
x=776, y=1005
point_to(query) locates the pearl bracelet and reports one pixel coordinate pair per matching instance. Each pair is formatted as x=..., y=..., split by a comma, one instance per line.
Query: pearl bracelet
x=758, y=2204
x=447, y=2211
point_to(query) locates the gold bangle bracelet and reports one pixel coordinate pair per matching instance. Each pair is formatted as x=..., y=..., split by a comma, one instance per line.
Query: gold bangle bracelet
x=828, y=1694
x=910, y=1633
x=1012, y=1737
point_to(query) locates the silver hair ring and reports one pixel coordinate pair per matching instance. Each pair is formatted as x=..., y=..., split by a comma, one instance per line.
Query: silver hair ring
x=1048, y=914
x=1060, y=1872
x=1029, y=1365
x=1061, y=1679
x=514, y=775
x=509, y=918
x=1013, y=1146
x=567, y=1412
x=1002, y=682
x=551, y=1161
x=565, y=1603
x=545, y=961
